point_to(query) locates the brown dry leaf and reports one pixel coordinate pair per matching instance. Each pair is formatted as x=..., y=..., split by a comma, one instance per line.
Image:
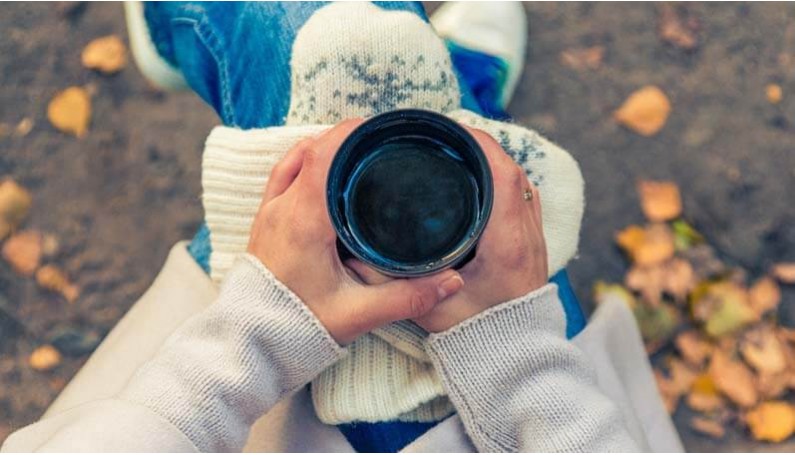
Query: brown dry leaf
x=14, y=206
x=772, y=421
x=645, y=111
x=678, y=279
x=773, y=93
x=70, y=111
x=23, y=252
x=648, y=281
x=668, y=392
x=660, y=201
x=107, y=54
x=772, y=386
x=44, y=358
x=23, y=127
x=733, y=379
x=695, y=350
x=677, y=29
x=708, y=427
x=52, y=278
x=583, y=58
x=784, y=272
x=762, y=350
x=764, y=295
x=648, y=246
x=681, y=375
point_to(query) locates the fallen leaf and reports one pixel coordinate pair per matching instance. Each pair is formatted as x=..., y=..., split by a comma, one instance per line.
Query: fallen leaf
x=678, y=279
x=700, y=402
x=647, y=246
x=704, y=261
x=762, y=350
x=107, y=54
x=44, y=358
x=772, y=386
x=14, y=206
x=583, y=58
x=784, y=272
x=772, y=421
x=733, y=379
x=23, y=127
x=708, y=427
x=645, y=111
x=23, y=252
x=677, y=27
x=695, y=350
x=681, y=375
x=764, y=295
x=773, y=93
x=49, y=245
x=70, y=111
x=648, y=281
x=660, y=201
x=52, y=278
x=656, y=324
x=685, y=236
x=723, y=307
x=604, y=291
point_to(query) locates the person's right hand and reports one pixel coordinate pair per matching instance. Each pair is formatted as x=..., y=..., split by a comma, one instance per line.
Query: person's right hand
x=511, y=257
x=293, y=237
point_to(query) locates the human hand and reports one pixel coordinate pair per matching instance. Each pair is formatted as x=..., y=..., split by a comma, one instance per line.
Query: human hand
x=293, y=236
x=511, y=258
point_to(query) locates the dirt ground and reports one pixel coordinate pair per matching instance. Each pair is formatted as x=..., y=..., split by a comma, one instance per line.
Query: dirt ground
x=119, y=198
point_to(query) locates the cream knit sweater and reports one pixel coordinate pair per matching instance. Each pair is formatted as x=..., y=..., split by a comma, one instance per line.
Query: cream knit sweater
x=356, y=60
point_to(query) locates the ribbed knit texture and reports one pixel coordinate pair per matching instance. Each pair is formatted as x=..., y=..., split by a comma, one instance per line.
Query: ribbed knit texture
x=520, y=386
x=356, y=60
x=228, y=365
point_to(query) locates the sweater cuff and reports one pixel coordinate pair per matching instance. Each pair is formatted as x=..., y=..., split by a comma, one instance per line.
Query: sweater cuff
x=540, y=309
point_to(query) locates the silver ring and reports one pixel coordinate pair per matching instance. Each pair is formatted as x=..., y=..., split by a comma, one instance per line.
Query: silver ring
x=527, y=195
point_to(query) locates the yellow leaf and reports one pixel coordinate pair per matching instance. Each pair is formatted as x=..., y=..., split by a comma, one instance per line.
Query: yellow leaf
x=773, y=93
x=70, y=111
x=52, y=278
x=773, y=421
x=723, y=306
x=762, y=350
x=660, y=201
x=603, y=291
x=645, y=111
x=44, y=358
x=648, y=246
x=23, y=252
x=14, y=206
x=107, y=54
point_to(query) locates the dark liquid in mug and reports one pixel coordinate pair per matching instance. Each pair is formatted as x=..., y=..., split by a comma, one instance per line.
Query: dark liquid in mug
x=411, y=201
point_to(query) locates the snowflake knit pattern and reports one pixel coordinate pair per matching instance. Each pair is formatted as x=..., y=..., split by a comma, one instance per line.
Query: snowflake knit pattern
x=357, y=60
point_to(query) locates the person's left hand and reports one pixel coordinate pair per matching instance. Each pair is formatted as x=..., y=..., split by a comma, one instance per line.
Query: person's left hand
x=293, y=236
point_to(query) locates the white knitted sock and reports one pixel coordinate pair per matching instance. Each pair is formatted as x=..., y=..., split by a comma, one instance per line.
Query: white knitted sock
x=356, y=60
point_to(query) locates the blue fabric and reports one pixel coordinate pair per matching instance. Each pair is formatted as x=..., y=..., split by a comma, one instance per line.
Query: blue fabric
x=235, y=56
x=384, y=437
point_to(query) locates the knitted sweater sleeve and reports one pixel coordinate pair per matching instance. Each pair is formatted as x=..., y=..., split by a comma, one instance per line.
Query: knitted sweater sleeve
x=519, y=385
x=228, y=365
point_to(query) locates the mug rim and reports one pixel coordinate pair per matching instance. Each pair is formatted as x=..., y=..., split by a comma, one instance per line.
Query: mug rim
x=334, y=186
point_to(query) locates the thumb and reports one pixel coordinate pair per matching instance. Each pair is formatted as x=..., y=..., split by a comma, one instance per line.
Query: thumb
x=375, y=306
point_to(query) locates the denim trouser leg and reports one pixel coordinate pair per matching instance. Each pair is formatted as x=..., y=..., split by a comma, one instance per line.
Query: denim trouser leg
x=236, y=56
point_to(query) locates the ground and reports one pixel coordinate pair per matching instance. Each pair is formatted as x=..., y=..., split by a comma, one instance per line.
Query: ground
x=119, y=198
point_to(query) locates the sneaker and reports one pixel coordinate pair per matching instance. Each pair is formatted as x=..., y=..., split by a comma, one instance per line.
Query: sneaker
x=154, y=67
x=496, y=29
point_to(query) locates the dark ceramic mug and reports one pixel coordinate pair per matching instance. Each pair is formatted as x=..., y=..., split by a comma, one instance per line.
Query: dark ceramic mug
x=409, y=193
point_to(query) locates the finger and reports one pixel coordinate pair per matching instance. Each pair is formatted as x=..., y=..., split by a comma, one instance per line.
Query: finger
x=367, y=274
x=285, y=171
x=318, y=158
x=376, y=306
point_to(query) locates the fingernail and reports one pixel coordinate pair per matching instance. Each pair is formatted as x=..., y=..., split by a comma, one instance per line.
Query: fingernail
x=450, y=286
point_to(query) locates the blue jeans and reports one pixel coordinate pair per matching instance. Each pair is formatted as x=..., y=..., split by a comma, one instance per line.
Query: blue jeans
x=236, y=56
